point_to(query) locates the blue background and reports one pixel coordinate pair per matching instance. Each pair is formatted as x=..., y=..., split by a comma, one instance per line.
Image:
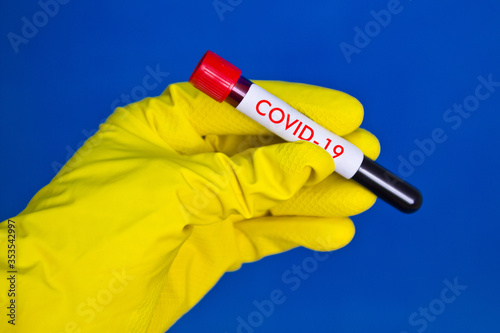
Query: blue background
x=66, y=79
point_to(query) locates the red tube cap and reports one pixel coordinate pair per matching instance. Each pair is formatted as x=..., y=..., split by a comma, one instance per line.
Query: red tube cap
x=215, y=76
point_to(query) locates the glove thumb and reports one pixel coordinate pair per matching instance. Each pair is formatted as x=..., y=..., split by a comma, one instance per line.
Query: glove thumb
x=267, y=175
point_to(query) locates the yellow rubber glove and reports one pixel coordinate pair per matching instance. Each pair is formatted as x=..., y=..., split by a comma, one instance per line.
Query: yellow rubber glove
x=167, y=196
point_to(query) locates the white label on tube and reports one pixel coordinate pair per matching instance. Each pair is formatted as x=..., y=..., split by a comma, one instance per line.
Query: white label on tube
x=288, y=123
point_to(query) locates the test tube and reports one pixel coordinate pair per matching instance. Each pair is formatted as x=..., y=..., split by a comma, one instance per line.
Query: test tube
x=223, y=81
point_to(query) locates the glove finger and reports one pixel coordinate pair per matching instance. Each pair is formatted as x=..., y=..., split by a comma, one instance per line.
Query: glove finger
x=366, y=141
x=267, y=235
x=335, y=196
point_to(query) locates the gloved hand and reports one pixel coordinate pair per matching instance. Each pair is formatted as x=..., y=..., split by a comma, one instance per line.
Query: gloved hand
x=167, y=196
